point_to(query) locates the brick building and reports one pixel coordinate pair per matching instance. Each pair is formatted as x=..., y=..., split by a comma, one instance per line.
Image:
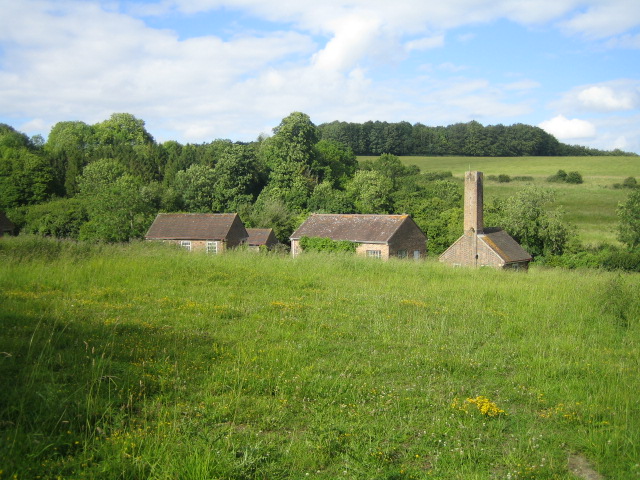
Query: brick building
x=380, y=236
x=261, y=237
x=207, y=232
x=481, y=246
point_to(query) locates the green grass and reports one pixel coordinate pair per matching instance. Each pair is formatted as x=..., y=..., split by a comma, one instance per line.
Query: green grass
x=590, y=206
x=146, y=362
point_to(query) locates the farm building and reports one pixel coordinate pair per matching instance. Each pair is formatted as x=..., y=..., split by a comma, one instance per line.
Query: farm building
x=479, y=246
x=261, y=237
x=380, y=236
x=208, y=232
x=6, y=226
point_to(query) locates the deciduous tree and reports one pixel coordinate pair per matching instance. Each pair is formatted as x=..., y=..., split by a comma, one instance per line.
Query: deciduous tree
x=629, y=216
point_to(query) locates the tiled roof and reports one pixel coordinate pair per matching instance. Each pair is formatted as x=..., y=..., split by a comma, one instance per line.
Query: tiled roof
x=191, y=226
x=258, y=236
x=504, y=245
x=355, y=228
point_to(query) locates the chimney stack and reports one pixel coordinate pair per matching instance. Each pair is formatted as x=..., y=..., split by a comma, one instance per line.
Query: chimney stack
x=473, y=203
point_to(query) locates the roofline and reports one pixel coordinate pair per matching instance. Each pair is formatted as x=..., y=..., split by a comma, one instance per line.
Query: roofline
x=352, y=241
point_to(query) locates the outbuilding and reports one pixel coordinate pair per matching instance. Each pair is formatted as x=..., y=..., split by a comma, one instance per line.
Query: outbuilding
x=208, y=232
x=261, y=237
x=378, y=236
x=481, y=246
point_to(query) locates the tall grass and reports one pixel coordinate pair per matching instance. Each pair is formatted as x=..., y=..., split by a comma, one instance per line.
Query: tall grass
x=142, y=361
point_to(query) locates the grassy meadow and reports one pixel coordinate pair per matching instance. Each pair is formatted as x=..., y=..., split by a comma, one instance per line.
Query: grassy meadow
x=146, y=362
x=591, y=206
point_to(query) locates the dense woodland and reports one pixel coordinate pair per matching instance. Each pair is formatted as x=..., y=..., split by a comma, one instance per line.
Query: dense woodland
x=106, y=182
x=462, y=139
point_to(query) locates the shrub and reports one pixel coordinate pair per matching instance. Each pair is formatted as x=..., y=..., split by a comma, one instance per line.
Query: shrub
x=317, y=244
x=630, y=182
x=574, y=177
x=502, y=178
x=622, y=260
x=522, y=178
x=58, y=218
x=560, y=176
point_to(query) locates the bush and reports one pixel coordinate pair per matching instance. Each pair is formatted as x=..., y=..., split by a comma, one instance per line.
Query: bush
x=58, y=218
x=522, y=178
x=622, y=260
x=574, y=177
x=502, y=178
x=630, y=182
x=560, y=176
x=317, y=244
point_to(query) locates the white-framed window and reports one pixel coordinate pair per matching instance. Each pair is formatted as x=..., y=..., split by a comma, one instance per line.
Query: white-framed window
x=416, y=254
x=186, y=244
x=401, y=254
x=374, y=253
x=212, y=247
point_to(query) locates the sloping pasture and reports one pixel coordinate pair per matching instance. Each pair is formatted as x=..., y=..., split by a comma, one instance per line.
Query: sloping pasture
x=590, y=206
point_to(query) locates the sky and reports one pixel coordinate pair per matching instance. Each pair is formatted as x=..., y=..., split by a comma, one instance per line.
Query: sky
x=200, y=70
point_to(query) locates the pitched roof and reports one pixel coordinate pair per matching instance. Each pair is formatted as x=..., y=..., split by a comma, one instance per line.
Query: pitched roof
x=5, y=223
x=259, y=236
x=504, y=245
x=355, y=228
x=191, y=226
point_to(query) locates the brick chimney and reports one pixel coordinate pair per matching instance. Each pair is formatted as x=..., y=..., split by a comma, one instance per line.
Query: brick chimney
x=473, y=203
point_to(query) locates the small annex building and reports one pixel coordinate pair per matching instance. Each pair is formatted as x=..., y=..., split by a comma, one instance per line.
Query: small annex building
x=6, y=226
x=261, y=237
x=481, y=246
x=379, y=236
x=207, y=232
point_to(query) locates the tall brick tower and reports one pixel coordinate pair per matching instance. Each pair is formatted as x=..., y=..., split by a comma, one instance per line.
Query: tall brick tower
x=473, y=203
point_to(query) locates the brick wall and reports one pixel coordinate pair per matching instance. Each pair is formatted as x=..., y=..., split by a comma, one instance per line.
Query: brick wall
x=463, y=252
x=410, y=238
x=362, y=248
x=199, y=245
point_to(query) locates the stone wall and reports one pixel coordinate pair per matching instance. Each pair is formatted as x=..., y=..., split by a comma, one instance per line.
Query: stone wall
x=408, y=238
x=464, y=250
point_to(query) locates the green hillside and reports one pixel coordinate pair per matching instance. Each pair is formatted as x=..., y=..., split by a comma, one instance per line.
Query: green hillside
x=142, y=361
x=590, y=206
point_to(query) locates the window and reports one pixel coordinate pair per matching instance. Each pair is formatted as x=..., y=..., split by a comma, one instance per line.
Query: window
x=402, y=254
x=416, y=254
x=186, y=244
x=212, y=247
x=374, y=253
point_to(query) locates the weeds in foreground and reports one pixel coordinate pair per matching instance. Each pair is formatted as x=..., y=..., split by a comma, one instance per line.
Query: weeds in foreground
x=145, y=362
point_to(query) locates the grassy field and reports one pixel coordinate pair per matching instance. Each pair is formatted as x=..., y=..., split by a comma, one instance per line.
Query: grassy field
x=590, y=206
x=145, y=362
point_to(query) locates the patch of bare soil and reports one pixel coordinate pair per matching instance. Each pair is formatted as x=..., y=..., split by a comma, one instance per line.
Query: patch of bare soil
x=580, y=466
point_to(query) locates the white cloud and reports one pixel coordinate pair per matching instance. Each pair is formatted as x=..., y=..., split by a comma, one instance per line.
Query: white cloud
x=425, y=43
x=353, y=38
x=605, y=18
x=607, y=99
x=568, y=129
x=84, y=59
x=612, y=96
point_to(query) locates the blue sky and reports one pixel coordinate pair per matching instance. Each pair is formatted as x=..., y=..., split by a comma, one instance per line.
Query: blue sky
x=198, y=70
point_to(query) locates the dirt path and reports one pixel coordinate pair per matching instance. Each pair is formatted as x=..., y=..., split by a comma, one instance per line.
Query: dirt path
x=580, y=466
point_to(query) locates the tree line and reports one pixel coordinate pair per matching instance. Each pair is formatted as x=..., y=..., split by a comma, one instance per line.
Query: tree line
x=460, y=139
x=107, y=181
